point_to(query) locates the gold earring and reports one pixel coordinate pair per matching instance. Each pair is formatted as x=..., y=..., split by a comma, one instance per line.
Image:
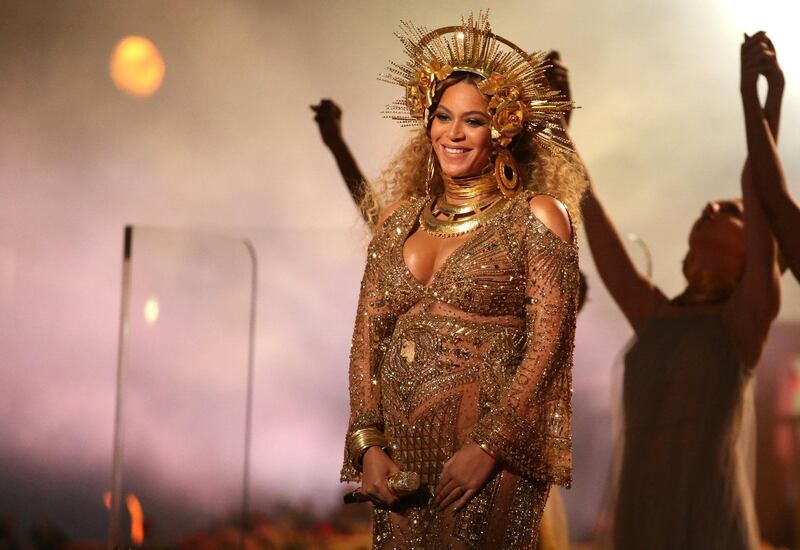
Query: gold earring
x=506, y=173
x=431, y=172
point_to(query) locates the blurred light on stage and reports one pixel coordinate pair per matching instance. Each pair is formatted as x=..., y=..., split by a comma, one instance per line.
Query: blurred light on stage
x=137, y=516
x=136, y=66
x=151, y=311
x=137, y=519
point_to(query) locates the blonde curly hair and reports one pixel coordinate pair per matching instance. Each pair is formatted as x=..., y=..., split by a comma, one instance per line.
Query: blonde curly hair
x=556, y=173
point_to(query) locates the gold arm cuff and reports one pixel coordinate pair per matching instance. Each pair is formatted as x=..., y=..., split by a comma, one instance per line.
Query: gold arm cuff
x=363, y=439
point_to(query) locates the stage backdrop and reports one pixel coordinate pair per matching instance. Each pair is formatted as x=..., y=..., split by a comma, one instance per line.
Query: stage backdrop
x=228, y=145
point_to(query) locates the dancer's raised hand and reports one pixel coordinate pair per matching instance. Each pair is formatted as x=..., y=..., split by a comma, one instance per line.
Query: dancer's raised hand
x=328, y=117
x=758, y=57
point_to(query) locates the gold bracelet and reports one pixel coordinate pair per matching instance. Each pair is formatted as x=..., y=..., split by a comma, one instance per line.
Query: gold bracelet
x=363, y=439
x=358, y=456
x=487, y=449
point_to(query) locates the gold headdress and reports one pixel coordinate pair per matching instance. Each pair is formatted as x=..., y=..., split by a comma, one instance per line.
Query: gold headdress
x=515, y=81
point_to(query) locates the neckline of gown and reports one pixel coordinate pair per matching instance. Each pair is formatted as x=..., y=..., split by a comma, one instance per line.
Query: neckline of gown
x=437, y=275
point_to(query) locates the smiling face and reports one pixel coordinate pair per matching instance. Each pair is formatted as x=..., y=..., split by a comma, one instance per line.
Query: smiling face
x=717, y=238
x=460, y=131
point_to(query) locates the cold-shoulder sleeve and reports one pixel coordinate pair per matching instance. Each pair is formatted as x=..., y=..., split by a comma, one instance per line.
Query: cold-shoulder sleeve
x=529, y=429
x=373, y=327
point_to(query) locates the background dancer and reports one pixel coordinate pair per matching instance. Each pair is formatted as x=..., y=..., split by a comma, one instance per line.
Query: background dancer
x=682, y=482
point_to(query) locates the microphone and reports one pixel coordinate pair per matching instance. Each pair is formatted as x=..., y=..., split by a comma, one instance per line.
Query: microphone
x=401, y=484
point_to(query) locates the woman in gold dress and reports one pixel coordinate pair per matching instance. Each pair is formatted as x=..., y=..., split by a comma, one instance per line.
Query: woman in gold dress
x=460, y=368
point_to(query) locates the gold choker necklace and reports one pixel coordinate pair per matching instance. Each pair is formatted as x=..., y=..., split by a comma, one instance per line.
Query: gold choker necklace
x=470, y=188
x=461, y=218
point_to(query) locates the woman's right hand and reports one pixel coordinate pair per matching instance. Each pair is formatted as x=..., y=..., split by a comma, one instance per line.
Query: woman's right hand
x=377, y=466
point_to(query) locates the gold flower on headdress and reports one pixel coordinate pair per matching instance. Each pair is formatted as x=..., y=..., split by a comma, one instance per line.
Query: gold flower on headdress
x=507, y=122
x=429, y=77
x=508, y=113
x=419, y=96
x=437, y=70
x=426, y=84
x=414, y=101
x=504, y=95
x=493, y=83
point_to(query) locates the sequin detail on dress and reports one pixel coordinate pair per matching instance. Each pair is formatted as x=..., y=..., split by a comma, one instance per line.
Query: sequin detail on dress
x=484, y=351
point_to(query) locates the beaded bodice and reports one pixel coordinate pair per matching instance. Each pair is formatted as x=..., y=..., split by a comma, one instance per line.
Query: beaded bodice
x=484, y=275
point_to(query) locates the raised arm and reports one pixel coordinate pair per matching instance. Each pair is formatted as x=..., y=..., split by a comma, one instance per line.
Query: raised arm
x=635, y=294
x=776, y=83
x=783, y=213
x=328, y=117
x=756, y=301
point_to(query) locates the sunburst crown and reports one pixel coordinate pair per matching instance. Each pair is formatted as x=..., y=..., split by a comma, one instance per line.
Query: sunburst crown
x=515, y=81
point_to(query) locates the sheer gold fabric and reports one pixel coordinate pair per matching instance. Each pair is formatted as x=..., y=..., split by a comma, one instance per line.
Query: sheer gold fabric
x=484, y=351
x=683, y=480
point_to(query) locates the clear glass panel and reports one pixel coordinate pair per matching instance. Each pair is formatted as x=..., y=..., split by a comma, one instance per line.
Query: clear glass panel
x=183, y=386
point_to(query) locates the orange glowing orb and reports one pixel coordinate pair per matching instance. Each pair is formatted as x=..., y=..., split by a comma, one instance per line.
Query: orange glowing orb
x=136, y=66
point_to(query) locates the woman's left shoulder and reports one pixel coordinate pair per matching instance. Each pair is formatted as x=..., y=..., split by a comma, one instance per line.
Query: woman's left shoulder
x=550, y=212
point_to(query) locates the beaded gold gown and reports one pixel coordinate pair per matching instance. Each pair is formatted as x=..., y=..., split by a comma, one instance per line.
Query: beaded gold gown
x=484, y=351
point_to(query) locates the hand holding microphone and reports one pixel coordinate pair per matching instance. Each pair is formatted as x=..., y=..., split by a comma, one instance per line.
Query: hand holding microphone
x=400, y=485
